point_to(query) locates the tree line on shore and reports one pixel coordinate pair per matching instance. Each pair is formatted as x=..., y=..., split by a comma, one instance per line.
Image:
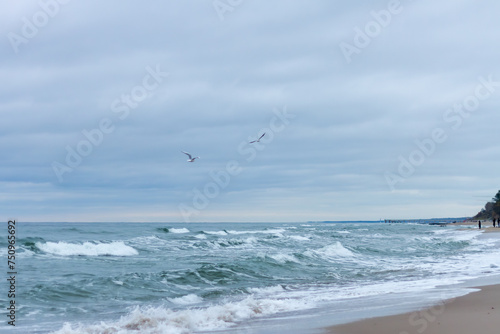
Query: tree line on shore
x=491, y=210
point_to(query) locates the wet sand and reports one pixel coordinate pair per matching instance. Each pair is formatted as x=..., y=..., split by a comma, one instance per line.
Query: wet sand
x=475, y=313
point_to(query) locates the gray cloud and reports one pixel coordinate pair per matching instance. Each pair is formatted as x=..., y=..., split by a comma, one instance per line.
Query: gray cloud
x=354, y=121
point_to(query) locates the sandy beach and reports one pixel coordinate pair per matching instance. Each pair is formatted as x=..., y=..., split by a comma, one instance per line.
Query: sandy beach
x=477, y=312
x=486, y=225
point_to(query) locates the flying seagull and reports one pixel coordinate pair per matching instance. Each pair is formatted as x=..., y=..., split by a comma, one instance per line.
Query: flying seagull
x=191, y=159
x=258, y=140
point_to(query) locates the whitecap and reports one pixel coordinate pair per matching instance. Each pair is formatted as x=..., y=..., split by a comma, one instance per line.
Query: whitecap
x=331, y=251
x=273, y=231
x=178, y=230
x=284, y=258
x=186, y=300
x=267, y=290
x=151, y=320
x=117, y=248
x=215, y=232
x=299, y=238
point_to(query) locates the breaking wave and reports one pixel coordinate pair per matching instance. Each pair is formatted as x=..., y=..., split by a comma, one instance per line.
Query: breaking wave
x=153, y=320
x=61, y=248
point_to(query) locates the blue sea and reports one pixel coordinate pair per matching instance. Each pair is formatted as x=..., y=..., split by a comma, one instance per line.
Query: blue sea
x=234, y=277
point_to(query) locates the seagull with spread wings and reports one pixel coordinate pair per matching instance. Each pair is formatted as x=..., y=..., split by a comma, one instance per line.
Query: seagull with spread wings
x=258, y=140
x=191, y=159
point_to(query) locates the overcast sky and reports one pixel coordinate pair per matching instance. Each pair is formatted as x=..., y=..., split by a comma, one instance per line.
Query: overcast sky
x=371, y=109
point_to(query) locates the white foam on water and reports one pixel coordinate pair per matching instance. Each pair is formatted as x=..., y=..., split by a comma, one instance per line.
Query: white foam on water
x=148, y=239
x=23, y=252
x=267, y=290
x=395, y=272
x=216, y=232
x=299, y=238
x=458, y=235
x=178, y=230
x=336, y=250
x=117, y=248
x=154, y=320
x=186, y=300
x=284, y=258
x=273, y=231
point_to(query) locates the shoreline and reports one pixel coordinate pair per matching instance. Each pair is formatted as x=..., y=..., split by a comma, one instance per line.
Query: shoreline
x=476, y=312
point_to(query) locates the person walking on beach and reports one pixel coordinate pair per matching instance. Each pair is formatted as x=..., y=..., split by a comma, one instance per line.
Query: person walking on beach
x=479, y=224
x=494, y=221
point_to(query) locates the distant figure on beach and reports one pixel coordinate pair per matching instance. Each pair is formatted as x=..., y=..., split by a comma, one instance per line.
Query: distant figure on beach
x=479, y=223
x=494, y=221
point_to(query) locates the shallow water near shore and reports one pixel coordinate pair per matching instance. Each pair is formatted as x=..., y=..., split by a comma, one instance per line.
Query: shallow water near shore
x=237, y=278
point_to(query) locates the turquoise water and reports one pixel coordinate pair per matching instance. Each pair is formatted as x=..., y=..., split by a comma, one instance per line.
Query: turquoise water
x=239, y=278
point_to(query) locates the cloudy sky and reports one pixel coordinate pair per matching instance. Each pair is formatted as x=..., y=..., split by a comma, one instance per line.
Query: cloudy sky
x=371, y=109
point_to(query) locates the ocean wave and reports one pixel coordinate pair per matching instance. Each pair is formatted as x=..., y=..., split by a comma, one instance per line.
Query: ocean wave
x=186, y=300
x=282, y=258
x=221, y=243
x=117, y=248
x=173, y=230
x=267, y=290
x=299, y=238
x=215, y=232
x=270, y=231
x=29, y=243
x=149, y=320
x=335, y=250
x=179, y=230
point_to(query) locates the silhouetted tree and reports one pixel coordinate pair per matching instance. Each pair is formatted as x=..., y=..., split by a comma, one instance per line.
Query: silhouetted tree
x=491, y=209
x=496, y=199
x=496, y=205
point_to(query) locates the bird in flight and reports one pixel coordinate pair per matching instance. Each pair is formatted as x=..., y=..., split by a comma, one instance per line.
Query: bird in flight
x=191, y=159
x=258, y=140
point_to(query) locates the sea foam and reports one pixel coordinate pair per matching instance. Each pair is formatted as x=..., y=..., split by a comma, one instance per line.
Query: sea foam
x=186, y=300
x=335, y=250
x=178, y=230
x=149, y=320
x=117, y=248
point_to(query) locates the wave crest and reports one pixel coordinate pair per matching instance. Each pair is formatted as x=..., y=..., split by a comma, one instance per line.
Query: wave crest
x=117, y=248
x=335, y=250
x=162, y=320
